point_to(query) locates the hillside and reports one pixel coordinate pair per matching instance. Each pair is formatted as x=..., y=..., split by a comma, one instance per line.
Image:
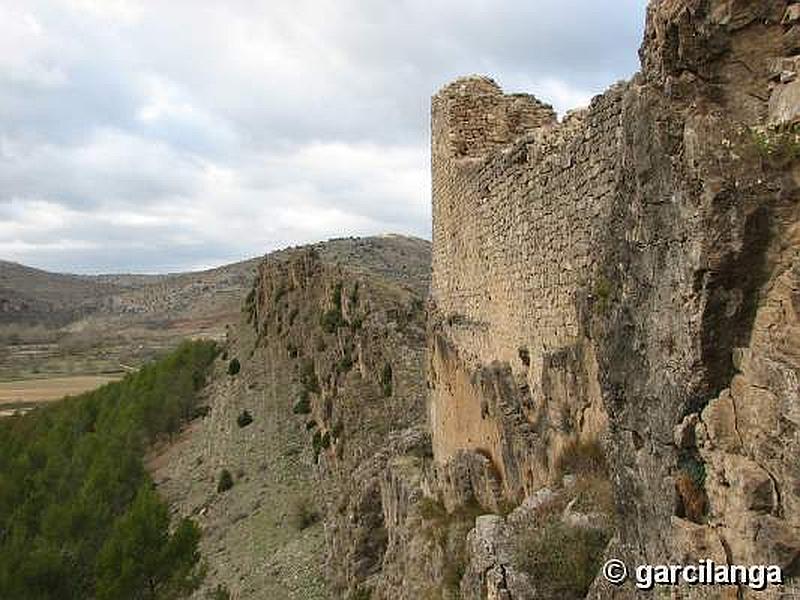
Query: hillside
x=55, y=324
x=31, y=296
x=331, y=349
x=318, y=414
x=595, y=362
x=34, y=297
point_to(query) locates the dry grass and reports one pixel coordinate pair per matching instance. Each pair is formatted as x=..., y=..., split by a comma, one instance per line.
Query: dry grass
x=47, y=390
x=693, y=498
x=563, y=560
x=595, y=494
x=582, y=457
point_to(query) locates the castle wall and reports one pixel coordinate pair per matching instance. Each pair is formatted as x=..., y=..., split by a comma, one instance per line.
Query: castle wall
x=515, y=230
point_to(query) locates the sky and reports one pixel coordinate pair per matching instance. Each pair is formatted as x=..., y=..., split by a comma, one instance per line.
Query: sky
x=171, y=135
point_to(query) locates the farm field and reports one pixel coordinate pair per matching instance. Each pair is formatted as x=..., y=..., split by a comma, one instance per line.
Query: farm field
x=25, y=394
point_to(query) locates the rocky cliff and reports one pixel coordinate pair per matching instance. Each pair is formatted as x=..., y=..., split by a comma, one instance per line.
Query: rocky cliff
x=628, y=277
x=322, y=427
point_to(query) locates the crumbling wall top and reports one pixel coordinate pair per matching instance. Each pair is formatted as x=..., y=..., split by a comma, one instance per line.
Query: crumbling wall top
x=472, y=116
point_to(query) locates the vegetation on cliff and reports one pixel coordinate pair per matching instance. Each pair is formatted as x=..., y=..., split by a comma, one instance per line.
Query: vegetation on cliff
x=78, y=514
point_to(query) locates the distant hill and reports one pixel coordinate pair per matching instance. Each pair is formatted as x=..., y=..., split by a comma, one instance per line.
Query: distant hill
x=54, y=323
x=35, y=297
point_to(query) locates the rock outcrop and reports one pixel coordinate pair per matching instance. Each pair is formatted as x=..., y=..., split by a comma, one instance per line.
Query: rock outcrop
x=330, y=465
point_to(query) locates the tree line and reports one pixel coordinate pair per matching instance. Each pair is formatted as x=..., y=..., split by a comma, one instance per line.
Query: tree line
x=79, y=516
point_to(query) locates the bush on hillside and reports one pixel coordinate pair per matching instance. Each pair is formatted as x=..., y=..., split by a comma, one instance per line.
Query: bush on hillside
x=244, y=419
x=234, y=367
x=225, y=481
x=563, y=560
x=219, y=593
x=583, y=457
x=386, y=380
x=303, y=404
x=303, y=514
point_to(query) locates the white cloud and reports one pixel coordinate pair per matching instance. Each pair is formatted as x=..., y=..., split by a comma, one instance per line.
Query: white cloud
x=158, y=135
x=25, y=49
x=115, y=11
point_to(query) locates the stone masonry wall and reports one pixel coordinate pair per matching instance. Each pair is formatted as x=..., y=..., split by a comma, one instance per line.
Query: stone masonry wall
x=515, y=232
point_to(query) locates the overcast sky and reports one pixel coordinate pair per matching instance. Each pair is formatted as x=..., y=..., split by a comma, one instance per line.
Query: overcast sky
x=168, y=135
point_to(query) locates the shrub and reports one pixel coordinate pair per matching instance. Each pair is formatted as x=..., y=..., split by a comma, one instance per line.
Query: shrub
x=582, y=457
x=345, y=363
x=690, y=464
x=200, y=411
x=303, y=405
x=431, y=509
x=250, y=304
x=562, y=559
x=308, y=377
x=386, y=380
x=320, y=441
x=244, y=419
x=332, y=319
x=602, y=293
x=234, y=367
x=225, y=481
x=595, y=494
x=303, y=513
x=361, y=593
x=692, y=498
x=449, y=532
x=777, y=145
x=525, y=356
x=219, y=593
x=454, y=571
x=279, y=293
x=353, y=296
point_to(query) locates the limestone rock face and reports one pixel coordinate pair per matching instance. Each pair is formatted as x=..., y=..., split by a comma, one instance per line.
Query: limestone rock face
x=356, y=345
x=630, y=275
x=491, y=573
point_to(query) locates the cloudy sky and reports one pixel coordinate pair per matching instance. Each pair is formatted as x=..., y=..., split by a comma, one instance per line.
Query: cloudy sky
x=163, y=135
